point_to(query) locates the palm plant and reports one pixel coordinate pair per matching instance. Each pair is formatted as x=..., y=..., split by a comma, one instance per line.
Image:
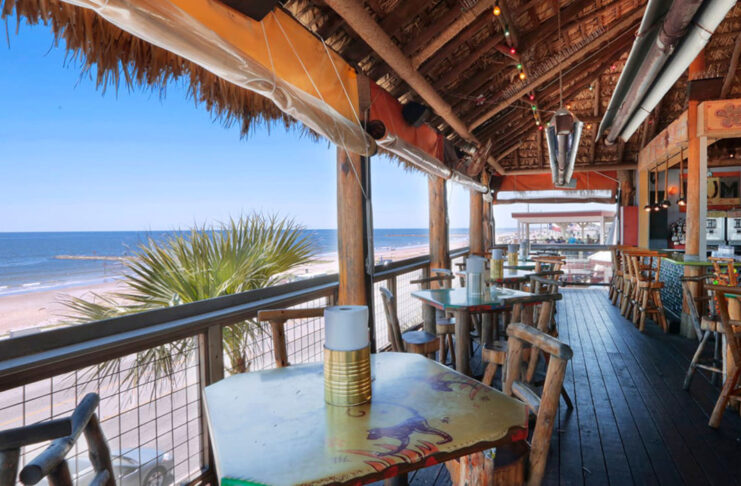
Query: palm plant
x=245, y=254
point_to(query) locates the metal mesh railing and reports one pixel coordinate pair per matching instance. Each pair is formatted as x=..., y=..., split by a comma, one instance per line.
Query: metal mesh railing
x=150, y=414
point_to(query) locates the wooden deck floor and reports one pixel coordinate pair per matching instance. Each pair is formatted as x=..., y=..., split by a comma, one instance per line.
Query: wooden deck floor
x=632, y=422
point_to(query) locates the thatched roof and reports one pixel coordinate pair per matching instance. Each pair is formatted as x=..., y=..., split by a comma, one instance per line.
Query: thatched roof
x=466, y=58
x=116, y=57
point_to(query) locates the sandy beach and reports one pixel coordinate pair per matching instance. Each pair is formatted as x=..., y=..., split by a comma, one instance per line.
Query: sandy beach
x=44, y=309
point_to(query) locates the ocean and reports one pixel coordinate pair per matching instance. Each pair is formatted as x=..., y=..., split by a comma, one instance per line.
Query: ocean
x=34, y=261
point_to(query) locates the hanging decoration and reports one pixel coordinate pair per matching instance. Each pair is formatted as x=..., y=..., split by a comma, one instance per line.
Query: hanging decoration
x=657, y=206
x=665, y=203
x=682, y=201
x=563, y=134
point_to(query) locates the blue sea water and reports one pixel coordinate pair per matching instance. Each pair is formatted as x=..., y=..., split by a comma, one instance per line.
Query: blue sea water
x=29, y=261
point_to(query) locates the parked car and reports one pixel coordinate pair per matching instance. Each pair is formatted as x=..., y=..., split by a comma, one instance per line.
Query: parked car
x=133, y=467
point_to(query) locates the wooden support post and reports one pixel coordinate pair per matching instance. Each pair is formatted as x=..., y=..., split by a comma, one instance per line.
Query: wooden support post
x=475, y=224
x=644, y=197
x=696, y=175
x=355, y=234
x=438, y=208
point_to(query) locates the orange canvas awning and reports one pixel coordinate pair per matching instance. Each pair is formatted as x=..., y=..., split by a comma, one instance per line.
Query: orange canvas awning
x=585, y=181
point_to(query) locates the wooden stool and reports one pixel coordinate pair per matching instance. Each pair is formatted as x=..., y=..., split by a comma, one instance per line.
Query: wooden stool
x=419, y=342
x=727, y=276
x=704, y=325
x=731, y=330
x=494, y=355
x=647, y=271
x=628, y=295
x=616, y=283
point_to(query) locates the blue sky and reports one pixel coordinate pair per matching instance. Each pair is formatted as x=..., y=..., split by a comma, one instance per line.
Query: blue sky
x=74, y=158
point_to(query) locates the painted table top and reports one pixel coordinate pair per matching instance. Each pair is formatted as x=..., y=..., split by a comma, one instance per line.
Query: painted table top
x=273, y=427
x=450, y=299
x=511, y=274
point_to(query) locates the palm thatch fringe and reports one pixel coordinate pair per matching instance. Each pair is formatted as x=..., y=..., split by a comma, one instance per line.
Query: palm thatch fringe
x=119, y=56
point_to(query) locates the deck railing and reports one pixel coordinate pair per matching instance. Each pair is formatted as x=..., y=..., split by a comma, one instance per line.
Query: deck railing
x=153, y=421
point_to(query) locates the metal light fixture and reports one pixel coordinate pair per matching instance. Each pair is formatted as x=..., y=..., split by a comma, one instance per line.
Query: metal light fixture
x=656, y=207
x=682, y=200
x=665, y=203
x=563, y=134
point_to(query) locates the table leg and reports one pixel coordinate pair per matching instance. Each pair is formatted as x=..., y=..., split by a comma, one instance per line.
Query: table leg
x=487, y=318
x=430, y=321
x=462, y=341
x=400, y=480
x=729, y=365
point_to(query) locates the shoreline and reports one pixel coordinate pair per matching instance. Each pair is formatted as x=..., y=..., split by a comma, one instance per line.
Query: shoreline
x=41, y=307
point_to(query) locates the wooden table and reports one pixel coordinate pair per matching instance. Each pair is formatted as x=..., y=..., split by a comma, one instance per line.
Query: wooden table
x=460, y=303
x=273, y=427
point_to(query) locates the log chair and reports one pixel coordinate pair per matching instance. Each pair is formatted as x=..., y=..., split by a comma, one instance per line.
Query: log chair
x=277, y=319
x=419, y=342
x=503, y=467
x=63, y=434
x=444, y=325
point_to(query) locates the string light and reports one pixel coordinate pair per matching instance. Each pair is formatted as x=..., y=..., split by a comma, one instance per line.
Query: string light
x=512, y=50
x=506, y=33
x=523, y=75
x=532, y=97
x=534, y=107
x=519, y=66
x=497, y=11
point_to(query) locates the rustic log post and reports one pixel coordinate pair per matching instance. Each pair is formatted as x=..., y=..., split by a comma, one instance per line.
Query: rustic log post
x=644, y=197
x=475, y=224
x=696, y=174
x=355, y=234
x=210, y=370
x=438, y=208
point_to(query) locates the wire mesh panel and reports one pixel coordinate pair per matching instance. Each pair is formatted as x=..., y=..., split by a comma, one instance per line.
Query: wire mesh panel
x=381, y=324
x=408, y=308
x=304, y=340
x=149, y=411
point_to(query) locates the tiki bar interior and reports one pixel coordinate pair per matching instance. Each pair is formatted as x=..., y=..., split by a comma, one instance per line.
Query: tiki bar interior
x=605, y=354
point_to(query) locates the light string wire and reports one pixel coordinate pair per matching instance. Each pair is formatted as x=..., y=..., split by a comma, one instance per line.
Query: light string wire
x=321, y=97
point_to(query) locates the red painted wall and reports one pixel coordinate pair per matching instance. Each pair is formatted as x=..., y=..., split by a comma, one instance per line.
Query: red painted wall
x=630, y=225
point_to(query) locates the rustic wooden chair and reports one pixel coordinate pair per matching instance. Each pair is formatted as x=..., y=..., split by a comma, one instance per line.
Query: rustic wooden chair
x=548, y=263
x=647, y=272
x=420, y=342
x=731, y=331
x=704, y=323
x=51, y=462
x=724, y=271
x=444, y=325
x=494, y=354
x=277, y=319
x=545, y=405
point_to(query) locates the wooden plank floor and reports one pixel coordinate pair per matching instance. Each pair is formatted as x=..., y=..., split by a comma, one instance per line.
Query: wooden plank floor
x=632, y=422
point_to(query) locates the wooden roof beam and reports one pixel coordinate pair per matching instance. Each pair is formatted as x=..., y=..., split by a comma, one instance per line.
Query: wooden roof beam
x=454, y=74
x=443, y=31
x=733, y=65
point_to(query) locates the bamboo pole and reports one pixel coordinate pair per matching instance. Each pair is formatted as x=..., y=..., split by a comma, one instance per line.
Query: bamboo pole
x=438, y=208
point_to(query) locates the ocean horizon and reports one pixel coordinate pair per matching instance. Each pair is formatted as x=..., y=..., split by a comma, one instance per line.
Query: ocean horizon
x=36, y=261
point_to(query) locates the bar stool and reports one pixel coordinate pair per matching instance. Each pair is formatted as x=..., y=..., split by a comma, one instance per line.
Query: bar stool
x=628, y=295
x=704, y=324
x=616, y=283
x=731, y=331
x=647, y=271
x=419, y=342
x=727, y=277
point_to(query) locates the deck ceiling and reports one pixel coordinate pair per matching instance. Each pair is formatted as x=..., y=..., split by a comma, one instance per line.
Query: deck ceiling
x=467, y=59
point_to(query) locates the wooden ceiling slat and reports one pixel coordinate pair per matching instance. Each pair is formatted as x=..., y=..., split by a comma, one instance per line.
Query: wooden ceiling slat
x=484, y=20
x=456, y=71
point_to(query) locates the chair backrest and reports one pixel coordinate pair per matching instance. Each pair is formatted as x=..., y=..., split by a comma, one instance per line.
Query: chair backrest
x=444, y=280
x=277, y=319
x=51, y=462
x=731, y=328
x=696, y=305
x=392, y=320
x=646, y=265
x=551, y=263
x=724, y=271
x=545, y=404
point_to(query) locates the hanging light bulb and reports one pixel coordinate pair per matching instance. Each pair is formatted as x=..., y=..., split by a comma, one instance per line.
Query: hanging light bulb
x=657, y=206
x=665, y=203
x=497, y=11
x=682, y=201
